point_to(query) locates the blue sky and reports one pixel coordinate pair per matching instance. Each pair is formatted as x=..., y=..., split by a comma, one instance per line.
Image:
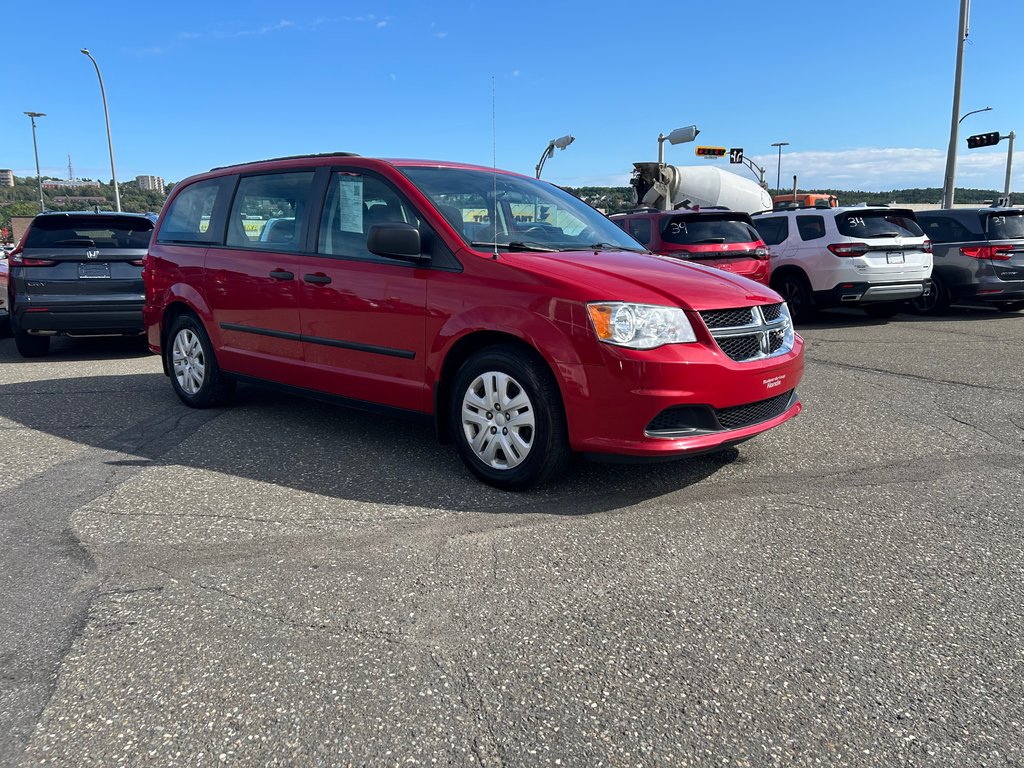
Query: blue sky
x=861, y=91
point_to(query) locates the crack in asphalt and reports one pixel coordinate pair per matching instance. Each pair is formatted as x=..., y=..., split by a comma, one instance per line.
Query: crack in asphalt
x=915, y=376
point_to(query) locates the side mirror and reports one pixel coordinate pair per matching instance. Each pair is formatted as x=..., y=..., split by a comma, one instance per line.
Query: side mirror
x=396, y=240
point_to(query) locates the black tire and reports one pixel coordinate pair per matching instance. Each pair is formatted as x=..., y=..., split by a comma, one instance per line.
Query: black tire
x=882, y=311
x=31, y=346
x=937, y=300
x=1010, y=306
x=5, y=325
x=198, y=380
x=796, y=292
x=528, y=449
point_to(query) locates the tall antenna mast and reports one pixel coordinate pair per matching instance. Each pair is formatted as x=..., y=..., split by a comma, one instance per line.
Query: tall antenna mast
x=71, y=173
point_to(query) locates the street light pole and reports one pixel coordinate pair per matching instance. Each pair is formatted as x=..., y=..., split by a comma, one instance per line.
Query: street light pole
x=778, y=169
x=678, y=136
x=549, y=151
x=950, y=180
x=974, y=112
x=35, y=149
x=110, y=141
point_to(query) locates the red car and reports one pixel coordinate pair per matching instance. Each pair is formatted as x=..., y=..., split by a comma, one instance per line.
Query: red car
x=518, y=320
x=713, y=236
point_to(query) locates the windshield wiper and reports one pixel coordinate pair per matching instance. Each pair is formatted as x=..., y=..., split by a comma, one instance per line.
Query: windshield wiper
x=517, y=245
x=885, y=234
x=707, y=240
x=613, y=247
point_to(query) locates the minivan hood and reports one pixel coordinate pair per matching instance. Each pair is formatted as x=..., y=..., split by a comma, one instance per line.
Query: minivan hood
x=644, y=278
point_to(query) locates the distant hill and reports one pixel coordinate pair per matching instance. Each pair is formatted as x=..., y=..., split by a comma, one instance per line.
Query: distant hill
x=618, y=199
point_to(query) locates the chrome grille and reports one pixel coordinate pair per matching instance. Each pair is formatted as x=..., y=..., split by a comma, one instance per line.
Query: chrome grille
x=749, y=333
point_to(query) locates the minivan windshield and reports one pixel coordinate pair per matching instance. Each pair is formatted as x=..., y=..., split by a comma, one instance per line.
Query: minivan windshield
x=89, y=231
x=1006, y=226
x=878, y=223
x=710, y=229
x=499, y=210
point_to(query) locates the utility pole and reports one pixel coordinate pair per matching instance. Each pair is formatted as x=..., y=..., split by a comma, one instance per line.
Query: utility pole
x=1009, y=167
x=962, y=33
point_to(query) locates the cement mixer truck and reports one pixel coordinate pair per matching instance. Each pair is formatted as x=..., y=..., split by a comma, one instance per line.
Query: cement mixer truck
x=667, y=187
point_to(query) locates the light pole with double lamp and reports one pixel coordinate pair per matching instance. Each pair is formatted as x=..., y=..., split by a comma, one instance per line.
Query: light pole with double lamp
x=110, y=141
x=35, y=149
x=778, y=168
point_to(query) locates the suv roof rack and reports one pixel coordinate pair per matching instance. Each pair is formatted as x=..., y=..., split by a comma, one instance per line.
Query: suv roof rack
x=287, y=157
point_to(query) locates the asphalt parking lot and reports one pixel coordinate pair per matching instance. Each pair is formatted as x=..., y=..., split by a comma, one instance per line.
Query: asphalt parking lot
x=288, y=583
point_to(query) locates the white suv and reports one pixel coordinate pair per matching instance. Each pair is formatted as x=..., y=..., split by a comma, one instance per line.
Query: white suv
x=868, y=256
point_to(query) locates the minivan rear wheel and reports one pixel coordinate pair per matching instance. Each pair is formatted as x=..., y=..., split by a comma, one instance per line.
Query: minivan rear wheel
x=507, y=419
x=195, y=375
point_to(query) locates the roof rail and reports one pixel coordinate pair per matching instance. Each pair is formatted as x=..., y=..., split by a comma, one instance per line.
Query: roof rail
x=288, y=157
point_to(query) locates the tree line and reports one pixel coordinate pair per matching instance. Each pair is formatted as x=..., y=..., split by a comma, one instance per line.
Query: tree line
x=23, y=198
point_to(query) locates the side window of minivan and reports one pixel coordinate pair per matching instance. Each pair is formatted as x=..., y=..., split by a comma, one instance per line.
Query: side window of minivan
x=355, y=202
x=190, y=218
x=773, y=230
x=810, y=227
x=269, y=211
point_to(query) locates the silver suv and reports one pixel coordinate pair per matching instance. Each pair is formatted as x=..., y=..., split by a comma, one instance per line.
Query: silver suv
x=979, y=258
x=873, y=257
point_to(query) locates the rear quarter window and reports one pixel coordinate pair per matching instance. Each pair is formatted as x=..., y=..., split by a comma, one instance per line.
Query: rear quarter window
x=191, y=215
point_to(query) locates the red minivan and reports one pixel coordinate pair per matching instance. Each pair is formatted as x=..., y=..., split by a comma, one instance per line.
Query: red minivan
x=717, y=237
x=520, y=321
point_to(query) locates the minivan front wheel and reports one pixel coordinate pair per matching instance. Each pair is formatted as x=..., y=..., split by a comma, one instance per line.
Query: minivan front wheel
x=195, y=375
x=507, y=419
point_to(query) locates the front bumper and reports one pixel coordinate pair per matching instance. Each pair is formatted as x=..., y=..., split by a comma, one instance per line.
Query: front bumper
x=615, y=412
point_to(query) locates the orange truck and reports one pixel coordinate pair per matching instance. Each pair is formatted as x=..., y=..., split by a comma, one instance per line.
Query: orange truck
x=804, y=200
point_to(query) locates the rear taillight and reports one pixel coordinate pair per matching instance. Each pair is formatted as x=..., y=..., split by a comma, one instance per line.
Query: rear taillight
x=991, y=252
x=926, y=246
x=849, y=249
x=16, y=257
x=761, y=253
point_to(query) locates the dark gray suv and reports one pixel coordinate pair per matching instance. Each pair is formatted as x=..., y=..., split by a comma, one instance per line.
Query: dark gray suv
x=78, y=274
x=978, y=258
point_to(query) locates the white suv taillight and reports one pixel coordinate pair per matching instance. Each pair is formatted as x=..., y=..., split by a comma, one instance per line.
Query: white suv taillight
x=849, y=249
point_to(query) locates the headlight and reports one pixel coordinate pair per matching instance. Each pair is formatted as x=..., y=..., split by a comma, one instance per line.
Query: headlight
x=640, y=326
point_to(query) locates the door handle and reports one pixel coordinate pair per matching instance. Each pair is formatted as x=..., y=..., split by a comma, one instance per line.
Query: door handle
x=318, y=279
x=282, y=274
